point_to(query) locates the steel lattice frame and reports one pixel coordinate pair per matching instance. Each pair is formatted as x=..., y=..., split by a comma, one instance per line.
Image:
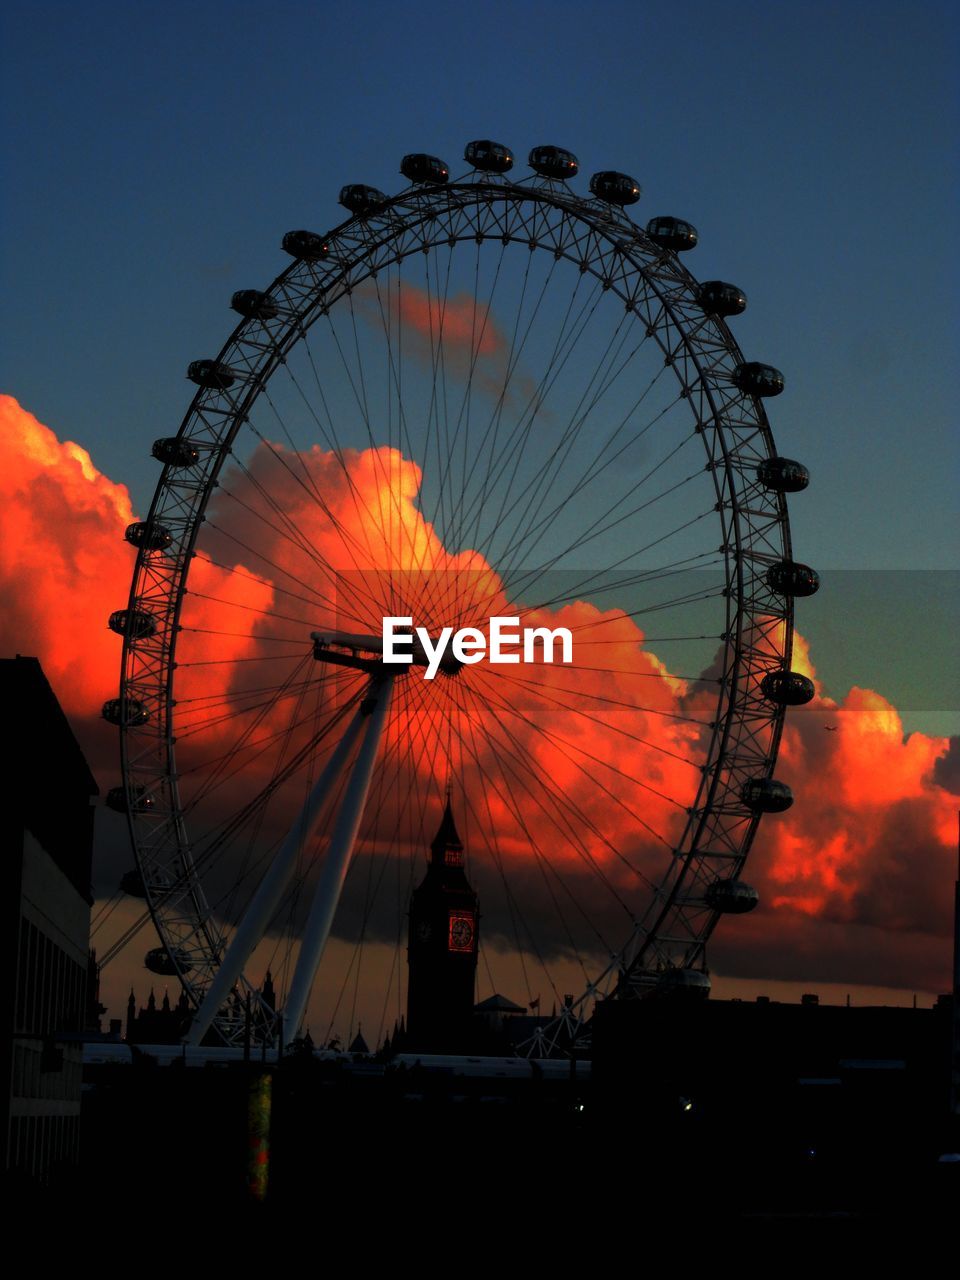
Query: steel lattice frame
x=653, y=285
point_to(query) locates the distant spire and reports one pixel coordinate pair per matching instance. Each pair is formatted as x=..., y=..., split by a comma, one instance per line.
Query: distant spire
x=268, y=992
x=447, y=840
x=358, y=1044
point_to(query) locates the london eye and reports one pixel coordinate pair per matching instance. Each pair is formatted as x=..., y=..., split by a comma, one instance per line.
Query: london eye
x=480, y=397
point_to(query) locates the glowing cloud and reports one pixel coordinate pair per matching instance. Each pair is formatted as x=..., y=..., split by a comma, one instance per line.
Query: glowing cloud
x=63, y=562
x=871, y=835
x=459, y=330
x=611, y=780
x=867, y=852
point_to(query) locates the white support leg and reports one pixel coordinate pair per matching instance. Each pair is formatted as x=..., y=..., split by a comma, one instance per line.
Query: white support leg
x=267, y=898
x=337, y=861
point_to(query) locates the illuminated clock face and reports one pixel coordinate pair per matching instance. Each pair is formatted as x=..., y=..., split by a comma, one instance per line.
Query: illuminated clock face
x=461, y=931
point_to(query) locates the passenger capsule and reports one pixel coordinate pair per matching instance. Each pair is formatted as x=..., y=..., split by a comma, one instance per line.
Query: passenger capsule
x=175, y=451
x=422, y=168
x=787, y=688
x=717, y=298
x=254, y=304
x=129, y=716
x=758, y=379
x=306, y=246
x=135, y=623
x=733, y=897
x=360, y=200
x=766, y=795
x=147, y=536
x=488, y=157
x=131, y=883
x=159, y=960
x=673, y=234
x=211, y=375
x=684, y=983
x=554, y=162
x=790, y=578
x=783, y=475
x=117, y=800
x=615, y=188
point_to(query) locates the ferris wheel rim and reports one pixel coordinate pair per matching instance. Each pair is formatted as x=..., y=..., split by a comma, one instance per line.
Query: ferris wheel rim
x=615, y=238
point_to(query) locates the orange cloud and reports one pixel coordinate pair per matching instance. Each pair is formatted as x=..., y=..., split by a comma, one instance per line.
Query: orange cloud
x=63, y=562
x=872, y=834
x=612, y=782
x=460, y=322
x=866, y=852
x=460, y=331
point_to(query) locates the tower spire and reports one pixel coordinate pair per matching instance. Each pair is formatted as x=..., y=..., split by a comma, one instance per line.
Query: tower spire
x=442, y=948
x=447, y=847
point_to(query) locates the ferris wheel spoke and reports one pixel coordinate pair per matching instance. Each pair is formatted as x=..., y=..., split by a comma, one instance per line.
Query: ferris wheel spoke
x=307, y=481
x=527, y=501
x=562, y=806
x=512, y=448
x=359, y=551
x=524, y=938
x=245, y=750
x=240, y=573
x=545, y=693
x=593, y=584
x=367, y=517
x=590, y=695
x=598, y=583
x=272, y=614
x=606, y=523
x=502, y=454
x=318, y=597
x=514, y=780
x=237, y=699
x=579, y=757
x=454, y=531
x=545, y=524
x=472, y=505
x=289, y=532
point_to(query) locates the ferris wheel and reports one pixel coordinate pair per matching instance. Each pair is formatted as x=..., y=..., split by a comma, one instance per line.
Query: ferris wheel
x=476, y=399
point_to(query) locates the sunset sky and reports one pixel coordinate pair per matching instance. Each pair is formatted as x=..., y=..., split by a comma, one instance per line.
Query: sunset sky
x=155, y=156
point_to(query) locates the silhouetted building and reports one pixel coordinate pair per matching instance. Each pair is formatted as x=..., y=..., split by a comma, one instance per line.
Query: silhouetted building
x=761, y=1079
x=47, y=825
x=358, y=1044
x=442, y=949
x=150, y=1025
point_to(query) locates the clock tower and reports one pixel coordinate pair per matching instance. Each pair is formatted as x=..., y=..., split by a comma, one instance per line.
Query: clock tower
x=442, y=949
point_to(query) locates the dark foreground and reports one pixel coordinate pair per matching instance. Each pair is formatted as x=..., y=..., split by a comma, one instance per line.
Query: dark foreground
x=400, y=1148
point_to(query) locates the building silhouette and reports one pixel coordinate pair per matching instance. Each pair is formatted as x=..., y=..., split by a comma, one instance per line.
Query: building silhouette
x=442, y=949
x=47, y=825
x=747, y=1084
x=167, y=1024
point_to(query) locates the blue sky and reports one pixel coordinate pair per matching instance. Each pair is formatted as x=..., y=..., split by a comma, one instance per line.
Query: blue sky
x=155, y=154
